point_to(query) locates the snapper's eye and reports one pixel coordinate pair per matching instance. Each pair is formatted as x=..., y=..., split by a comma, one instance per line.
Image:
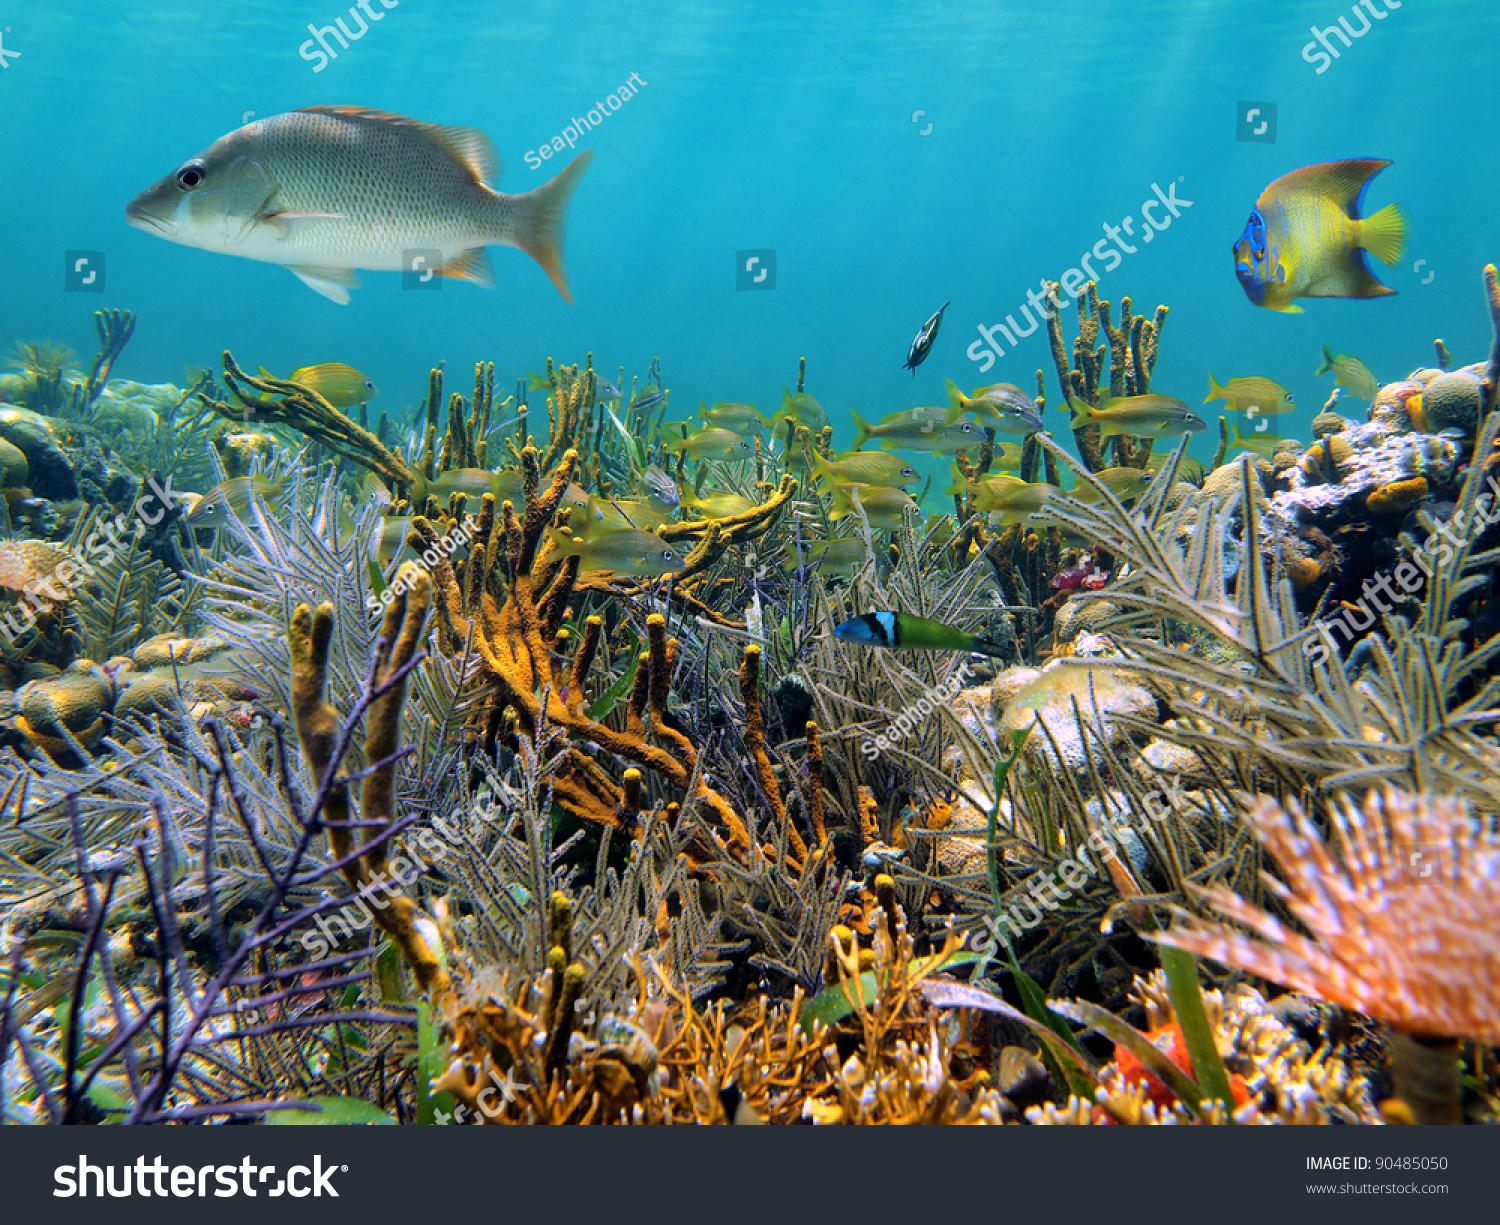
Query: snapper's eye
x=191, y=176
x=369, y=385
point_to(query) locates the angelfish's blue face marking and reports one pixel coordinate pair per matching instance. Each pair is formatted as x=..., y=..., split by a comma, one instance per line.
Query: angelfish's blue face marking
x=1256, y=263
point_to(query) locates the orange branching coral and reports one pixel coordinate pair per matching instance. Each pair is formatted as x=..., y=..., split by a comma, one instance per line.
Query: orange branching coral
x=1404, y=914
x=890, y=1061
x=509, y=605
x=708, y=541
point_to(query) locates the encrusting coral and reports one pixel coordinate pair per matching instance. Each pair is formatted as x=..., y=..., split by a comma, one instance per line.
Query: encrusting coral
x=1276, y=1077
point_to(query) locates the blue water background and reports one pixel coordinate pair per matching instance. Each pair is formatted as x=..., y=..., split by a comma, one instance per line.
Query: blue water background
x=791, y=127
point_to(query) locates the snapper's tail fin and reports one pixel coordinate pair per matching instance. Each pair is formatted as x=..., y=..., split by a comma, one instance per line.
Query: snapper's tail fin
x=541, y=216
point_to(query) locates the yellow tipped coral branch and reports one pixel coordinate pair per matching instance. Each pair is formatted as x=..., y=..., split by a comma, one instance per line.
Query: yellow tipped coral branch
x=319, y=728
x=479, y=419
x=1132, y=349
x=815, y=807
x=512, y=612
x=303, y=409
x=434, y=398
x=755, y=741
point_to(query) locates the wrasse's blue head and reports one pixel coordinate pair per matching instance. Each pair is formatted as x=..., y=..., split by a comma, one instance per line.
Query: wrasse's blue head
x=870, y=629
x=1256, y=262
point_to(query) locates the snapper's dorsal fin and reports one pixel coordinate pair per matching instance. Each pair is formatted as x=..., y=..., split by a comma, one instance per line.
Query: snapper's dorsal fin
x=468, y=145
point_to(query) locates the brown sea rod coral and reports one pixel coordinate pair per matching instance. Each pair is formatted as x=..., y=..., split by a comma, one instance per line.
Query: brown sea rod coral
x=1402, y=904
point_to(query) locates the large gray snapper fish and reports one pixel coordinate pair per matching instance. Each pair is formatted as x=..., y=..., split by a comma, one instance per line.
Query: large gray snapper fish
x=329, y=189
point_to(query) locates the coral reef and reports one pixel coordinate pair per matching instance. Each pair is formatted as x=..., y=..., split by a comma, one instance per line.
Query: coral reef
x=504, y=767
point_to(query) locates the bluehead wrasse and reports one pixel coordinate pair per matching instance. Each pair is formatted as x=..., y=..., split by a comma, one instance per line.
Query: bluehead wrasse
x=903, y=631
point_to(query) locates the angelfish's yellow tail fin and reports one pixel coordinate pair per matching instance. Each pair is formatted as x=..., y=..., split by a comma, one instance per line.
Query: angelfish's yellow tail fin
x=1383, y=235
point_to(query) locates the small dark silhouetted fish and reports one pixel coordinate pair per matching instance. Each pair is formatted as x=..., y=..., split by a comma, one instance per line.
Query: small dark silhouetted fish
x=922, y=345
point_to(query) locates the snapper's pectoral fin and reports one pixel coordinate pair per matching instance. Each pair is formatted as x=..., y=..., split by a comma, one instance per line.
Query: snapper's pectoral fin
x=471, y=265
x=288, y=224
x=333, y=283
